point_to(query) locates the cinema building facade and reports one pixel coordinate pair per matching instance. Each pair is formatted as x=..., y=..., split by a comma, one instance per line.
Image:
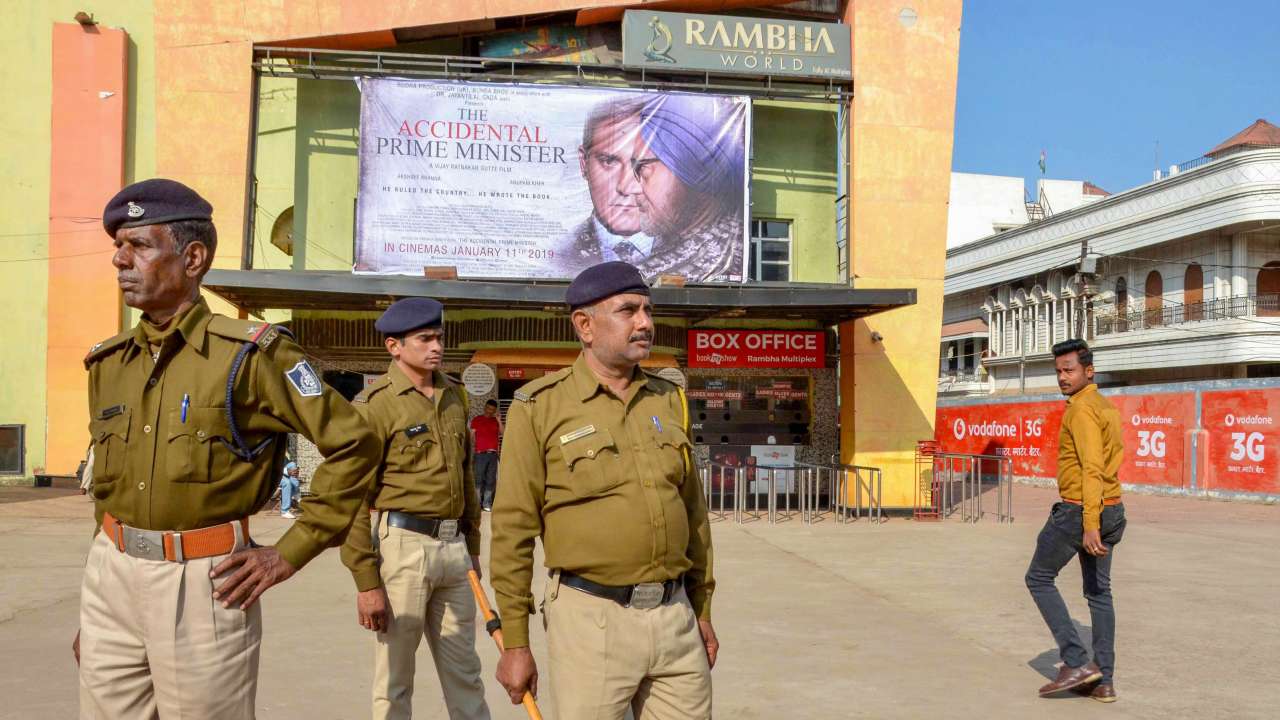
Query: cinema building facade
x=778, y=170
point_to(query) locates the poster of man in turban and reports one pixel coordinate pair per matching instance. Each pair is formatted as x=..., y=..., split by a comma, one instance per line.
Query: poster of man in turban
x=536, y=181
x=665, y=173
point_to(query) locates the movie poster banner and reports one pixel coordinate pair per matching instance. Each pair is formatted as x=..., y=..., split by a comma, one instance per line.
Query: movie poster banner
x=536, y=181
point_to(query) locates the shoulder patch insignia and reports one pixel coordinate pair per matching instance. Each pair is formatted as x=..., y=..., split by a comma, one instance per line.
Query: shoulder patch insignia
x=533, y=387
x=105, y=347
x=304, y=380
x=269, y=336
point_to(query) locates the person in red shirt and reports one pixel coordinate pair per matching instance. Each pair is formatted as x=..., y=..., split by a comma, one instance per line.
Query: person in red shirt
x=485, y=431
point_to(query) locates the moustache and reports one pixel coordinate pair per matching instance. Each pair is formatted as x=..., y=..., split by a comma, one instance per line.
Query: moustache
x=641, y=337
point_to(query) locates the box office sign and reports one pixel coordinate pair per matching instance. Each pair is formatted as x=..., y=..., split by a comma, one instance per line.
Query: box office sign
x=757, y=348
x=725, y=44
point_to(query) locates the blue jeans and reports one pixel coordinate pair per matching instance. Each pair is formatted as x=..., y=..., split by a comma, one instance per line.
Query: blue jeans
x=1061, y=540
x=486, y=472
x=288, y=493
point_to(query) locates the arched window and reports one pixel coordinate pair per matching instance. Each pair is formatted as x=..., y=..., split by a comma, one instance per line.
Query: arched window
x=1155, y=298
x=1193, y=293
x=1269, y=289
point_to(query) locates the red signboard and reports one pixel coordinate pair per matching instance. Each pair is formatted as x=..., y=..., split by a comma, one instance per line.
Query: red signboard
x=757, y=349
x=1026, y=432
x=1243, y=434
x=1155, y=429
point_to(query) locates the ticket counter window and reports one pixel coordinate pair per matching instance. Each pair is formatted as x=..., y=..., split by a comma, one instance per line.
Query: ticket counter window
x=750, y=410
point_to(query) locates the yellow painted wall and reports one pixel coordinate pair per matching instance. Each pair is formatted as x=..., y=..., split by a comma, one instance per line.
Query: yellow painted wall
x=793, y=177
x=902, y=125
x=25, y=123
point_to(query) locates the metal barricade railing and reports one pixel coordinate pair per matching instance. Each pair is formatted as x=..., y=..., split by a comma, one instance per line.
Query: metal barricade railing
x=866, y=482
x=718, y=483
x=756, y=492
x=958, y=485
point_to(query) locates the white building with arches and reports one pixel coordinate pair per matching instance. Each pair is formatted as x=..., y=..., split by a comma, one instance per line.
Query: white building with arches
x=1175, y=280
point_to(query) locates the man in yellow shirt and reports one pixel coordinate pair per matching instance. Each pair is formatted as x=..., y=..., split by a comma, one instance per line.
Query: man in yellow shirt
x=1088, y=523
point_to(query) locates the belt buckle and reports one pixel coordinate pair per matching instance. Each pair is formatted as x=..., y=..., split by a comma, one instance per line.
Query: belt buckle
x=448, y=530
x=646, y=596
x=144, y=544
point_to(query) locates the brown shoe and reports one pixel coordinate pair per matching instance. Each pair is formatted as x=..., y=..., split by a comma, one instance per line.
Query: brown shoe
x=1104, y=692
x=1069, y=677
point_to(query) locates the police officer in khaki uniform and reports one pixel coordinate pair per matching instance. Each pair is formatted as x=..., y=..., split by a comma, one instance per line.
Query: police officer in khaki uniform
x=413, y=581
x=188, y=415
x=596, y=461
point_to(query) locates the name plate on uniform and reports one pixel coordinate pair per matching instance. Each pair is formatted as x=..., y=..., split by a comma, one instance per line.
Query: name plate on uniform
x=448, y=530
x=576, y=434
x=646, y=596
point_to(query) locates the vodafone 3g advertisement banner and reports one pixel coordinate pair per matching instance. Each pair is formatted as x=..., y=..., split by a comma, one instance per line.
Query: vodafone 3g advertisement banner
x=757, y=348
x=1156, y=450
x=1243, y=429
x=1155, y=429
x=1026, y=432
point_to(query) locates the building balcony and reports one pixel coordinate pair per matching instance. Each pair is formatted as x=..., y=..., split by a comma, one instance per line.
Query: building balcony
x=1226, y=308
x=964, y=383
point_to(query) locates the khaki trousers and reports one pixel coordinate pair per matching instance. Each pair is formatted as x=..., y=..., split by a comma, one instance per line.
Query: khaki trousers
x=427, y=588
x=155, y=644
x=606, y=658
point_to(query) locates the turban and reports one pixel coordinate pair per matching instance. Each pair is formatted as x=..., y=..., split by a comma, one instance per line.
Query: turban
x=698, y=137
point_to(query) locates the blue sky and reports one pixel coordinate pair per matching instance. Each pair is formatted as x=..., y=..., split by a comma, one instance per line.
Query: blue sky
x=1096, y=84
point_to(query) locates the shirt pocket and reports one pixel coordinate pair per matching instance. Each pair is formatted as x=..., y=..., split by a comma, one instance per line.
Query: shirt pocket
x=195, y=452
x=673, y=448
x=110, y=437
x=591, y=465
x=409, y=454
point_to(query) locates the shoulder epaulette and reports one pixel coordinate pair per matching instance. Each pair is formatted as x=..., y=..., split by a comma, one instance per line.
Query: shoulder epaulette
x=264, y=334
x=106, y=347
x=378, y=385
x=533, y=387
x=653, y=375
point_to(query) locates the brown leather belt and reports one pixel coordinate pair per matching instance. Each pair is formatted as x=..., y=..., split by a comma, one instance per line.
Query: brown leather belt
x=1105, y=501
x=176, y=546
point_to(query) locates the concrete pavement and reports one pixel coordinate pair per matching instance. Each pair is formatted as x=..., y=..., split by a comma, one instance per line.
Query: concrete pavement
x=901, y=620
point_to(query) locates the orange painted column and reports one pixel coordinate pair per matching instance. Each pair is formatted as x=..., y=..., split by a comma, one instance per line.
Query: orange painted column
x=905, y=63
x=86, y=169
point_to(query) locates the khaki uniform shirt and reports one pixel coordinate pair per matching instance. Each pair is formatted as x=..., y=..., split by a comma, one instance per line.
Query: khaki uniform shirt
x=607, y=482
x=154, y=470
x=426, y=463
x=1090, y=450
